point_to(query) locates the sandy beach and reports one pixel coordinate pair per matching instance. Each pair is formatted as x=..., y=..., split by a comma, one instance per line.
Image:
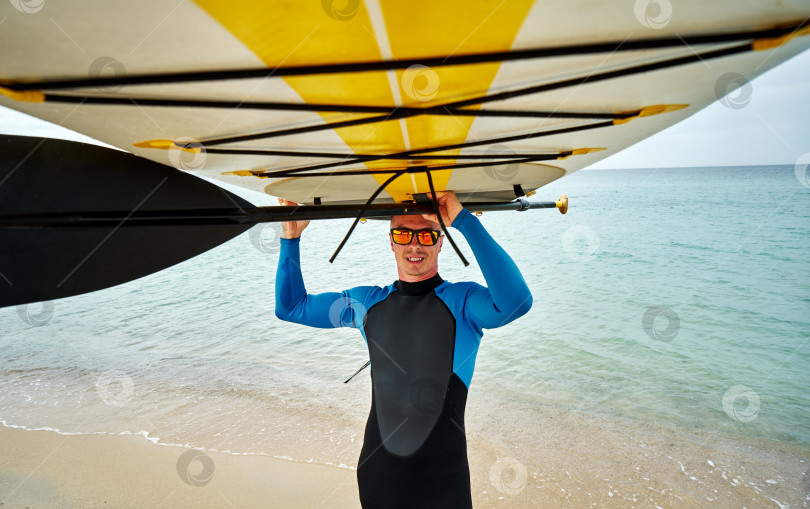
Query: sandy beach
x=571, y=461
x=46, y=469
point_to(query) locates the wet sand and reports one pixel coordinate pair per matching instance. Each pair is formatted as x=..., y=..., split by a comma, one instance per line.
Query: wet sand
x=565, y=460
x=575, y=459
x=46, y=469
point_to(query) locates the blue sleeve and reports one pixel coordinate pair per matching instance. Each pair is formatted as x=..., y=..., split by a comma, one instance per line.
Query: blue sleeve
x=506, y=296
x=324, y=310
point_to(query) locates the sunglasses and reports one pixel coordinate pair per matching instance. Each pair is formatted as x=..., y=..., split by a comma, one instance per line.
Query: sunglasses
x=403, y=236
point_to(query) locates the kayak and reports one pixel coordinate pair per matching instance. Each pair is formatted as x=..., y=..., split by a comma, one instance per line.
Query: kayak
x=324, y=102
x=352, y=109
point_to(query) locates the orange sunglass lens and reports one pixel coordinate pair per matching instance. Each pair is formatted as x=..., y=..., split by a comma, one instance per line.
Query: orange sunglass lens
x=401, y=237
x=426, y=238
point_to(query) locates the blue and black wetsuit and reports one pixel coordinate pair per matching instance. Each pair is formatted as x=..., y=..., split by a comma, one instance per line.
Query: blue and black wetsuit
x=422, y=340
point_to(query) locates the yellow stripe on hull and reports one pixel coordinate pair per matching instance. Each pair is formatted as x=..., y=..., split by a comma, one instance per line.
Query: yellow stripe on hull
x=310, y=35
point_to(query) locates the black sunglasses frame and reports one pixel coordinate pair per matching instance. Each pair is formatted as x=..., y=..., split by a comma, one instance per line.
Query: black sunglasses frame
x=435, y=234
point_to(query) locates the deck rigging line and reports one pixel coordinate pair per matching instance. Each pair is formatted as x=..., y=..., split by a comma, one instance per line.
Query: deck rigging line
x=440, y=61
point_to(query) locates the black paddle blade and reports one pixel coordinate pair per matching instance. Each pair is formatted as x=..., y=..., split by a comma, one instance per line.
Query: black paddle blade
x=45, y=176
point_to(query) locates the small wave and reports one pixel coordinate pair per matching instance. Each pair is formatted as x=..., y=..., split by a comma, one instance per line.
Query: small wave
x=156, y=441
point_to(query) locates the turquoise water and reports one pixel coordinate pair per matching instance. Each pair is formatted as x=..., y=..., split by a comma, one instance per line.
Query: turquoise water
x=715, y=258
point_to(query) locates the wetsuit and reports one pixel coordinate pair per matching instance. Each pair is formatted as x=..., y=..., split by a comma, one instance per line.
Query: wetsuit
x=422, y=339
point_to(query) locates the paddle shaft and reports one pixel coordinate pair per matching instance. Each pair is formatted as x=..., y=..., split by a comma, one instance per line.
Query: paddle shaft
x=247, y=215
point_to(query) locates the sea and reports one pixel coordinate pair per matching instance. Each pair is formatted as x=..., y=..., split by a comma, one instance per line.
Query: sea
x=671, y=296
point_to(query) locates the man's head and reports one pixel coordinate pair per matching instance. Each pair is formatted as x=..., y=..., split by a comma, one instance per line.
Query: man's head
x=416, y=262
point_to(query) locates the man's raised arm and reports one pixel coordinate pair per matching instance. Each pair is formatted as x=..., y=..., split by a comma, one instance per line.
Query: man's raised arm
x=507, y=295
x=293, y=304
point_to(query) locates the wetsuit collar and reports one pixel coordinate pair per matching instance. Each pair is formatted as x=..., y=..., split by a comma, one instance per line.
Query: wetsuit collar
x=420, y=287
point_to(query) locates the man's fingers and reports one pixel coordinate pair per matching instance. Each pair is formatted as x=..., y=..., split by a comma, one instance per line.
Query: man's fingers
x=444, y=197
x=448, y=205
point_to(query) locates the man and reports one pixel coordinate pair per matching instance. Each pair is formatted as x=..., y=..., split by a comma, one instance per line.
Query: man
x=422, y=335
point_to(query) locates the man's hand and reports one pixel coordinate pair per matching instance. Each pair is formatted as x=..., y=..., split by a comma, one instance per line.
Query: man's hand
x=449, y=207
x=291, y=229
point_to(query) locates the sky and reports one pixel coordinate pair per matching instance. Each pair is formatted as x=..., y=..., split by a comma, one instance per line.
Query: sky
x=772, y=127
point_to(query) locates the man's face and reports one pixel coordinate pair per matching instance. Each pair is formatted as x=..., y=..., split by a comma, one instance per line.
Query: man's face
x=416, y=262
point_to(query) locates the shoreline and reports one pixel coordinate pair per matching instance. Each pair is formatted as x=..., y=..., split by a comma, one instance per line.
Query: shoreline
x=557, y=459
x=46, y=469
